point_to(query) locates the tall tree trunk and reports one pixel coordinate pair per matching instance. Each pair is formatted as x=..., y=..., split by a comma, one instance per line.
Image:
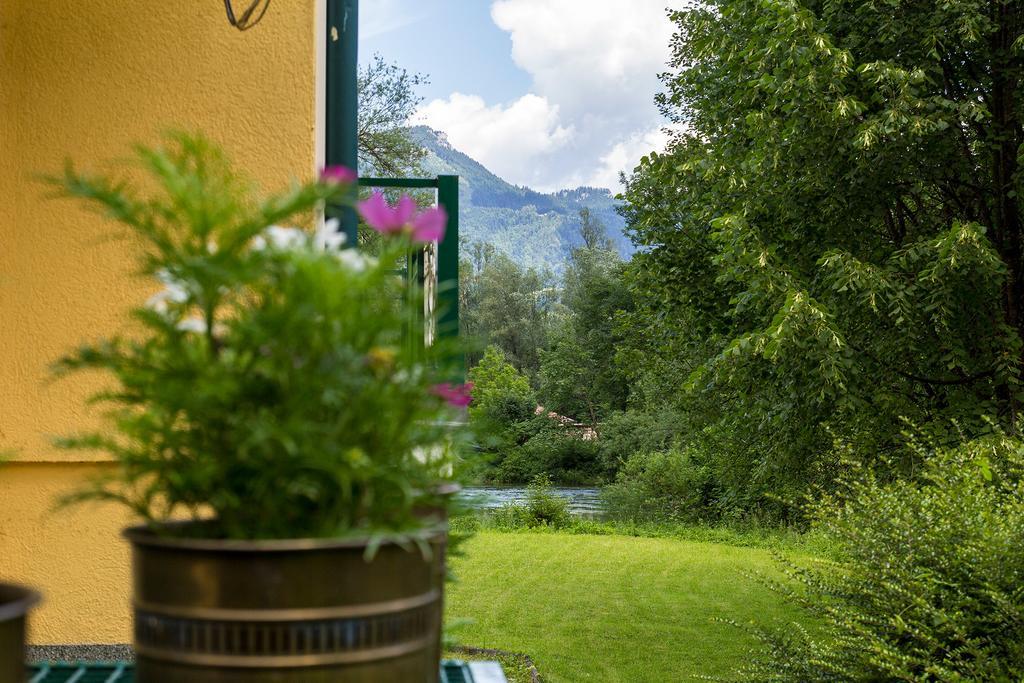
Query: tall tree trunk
x=1005, y=142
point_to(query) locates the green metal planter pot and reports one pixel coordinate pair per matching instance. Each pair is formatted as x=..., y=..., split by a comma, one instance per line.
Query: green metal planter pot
x=307, y=610
x=15, y=602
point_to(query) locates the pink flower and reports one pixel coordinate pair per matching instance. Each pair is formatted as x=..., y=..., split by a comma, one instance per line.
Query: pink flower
x=429, y=225
x=423, y=226
x=458, y=395
x=338, y=174
x=384, y=218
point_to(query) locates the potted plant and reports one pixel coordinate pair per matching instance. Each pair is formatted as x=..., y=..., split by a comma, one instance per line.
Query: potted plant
x=277, y=426
x=15, y=603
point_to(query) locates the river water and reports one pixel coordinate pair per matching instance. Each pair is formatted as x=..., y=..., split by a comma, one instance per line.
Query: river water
x=584, y=501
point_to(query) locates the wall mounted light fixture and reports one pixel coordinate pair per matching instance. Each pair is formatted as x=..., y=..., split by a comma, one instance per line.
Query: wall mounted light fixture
x=250, y=17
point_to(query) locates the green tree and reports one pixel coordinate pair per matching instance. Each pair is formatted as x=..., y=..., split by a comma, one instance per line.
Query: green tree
x=387, y=99
x=579, y=376
x=506, y=306
x=832, y=242
x=497, y=385
x=593, y=233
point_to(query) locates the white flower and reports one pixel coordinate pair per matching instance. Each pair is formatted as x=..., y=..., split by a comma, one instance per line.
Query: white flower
x=197, y=325
x=173, y=292
x=328, y=237
x=354, y=260
x=279, y=237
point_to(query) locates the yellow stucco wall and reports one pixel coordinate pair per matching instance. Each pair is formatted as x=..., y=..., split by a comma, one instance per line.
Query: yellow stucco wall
x=84, y=80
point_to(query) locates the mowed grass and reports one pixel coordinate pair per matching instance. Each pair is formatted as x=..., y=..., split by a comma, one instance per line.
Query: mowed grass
x=613, y=608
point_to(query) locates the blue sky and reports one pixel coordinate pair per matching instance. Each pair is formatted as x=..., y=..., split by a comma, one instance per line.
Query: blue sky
x=454, y=41
x=546, y=93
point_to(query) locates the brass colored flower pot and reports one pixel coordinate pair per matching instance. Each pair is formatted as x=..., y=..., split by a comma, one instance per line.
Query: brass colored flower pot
x=15, y=602
x=308, y=610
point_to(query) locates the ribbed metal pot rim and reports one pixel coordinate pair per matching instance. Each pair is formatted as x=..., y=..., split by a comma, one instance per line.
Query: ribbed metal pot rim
x=16, y=601
x=146, y=536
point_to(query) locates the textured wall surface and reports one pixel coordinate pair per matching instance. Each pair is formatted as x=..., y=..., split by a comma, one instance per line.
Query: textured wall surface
x=84, y=81
x=75, y=557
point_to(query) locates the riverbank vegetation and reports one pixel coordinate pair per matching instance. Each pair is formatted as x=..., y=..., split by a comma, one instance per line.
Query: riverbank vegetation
x=544, y=511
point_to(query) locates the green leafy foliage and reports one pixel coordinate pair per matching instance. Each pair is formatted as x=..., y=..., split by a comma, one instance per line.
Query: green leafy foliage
x=507, y=306
x=502, y=396
x=519, y=443
x=926, y=584
x=663, y=486
x=544, y=446
x=543, y=508
x=387, y=98
x=272, y=390
x=626, y=433
x=579, y=377
x=832, y=240
x=563, y=342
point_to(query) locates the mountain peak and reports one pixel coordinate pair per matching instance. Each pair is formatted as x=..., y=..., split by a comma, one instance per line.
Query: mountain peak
x=533, y=228
x=440, y=137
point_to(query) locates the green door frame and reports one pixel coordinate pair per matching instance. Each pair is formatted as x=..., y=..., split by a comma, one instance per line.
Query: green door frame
x=447, y=187
x=341, y=147
x=341, y=115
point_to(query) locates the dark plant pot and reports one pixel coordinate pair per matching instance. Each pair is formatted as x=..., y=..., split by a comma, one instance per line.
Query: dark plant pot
x=439, y=515
x=15, y=602
x=306, y=610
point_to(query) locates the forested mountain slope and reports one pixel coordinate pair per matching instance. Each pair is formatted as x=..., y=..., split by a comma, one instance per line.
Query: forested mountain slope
x=533, y=228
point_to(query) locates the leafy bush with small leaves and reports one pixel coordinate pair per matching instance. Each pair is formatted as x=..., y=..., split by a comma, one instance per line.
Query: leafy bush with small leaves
x=626, y=433
x=514, y=465
x=544, y=446
x=274, y=388
x=496, y=385
x=543, y=508
x=663, y=486
x=928, y=578
x=544, y=505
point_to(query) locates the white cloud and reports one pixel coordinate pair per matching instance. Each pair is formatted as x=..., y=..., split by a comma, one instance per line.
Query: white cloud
x=625, y=155
x=591, y=114
x=589, y=56
x=505, y=139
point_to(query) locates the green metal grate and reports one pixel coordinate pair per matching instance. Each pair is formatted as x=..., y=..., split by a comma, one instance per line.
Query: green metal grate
x=455, y=672
x=47, y=672
x=81, y=673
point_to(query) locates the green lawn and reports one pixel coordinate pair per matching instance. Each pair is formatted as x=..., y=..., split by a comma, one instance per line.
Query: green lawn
x=612, y=608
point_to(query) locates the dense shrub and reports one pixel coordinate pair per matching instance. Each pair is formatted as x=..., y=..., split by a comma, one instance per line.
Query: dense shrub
x=503, y=404
x=513, y=465
x=928, y=584
x=670, y=486
x=543, y=508
x=633, y=431
x=501, y=394
x=543, y=446
x=506, y=410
